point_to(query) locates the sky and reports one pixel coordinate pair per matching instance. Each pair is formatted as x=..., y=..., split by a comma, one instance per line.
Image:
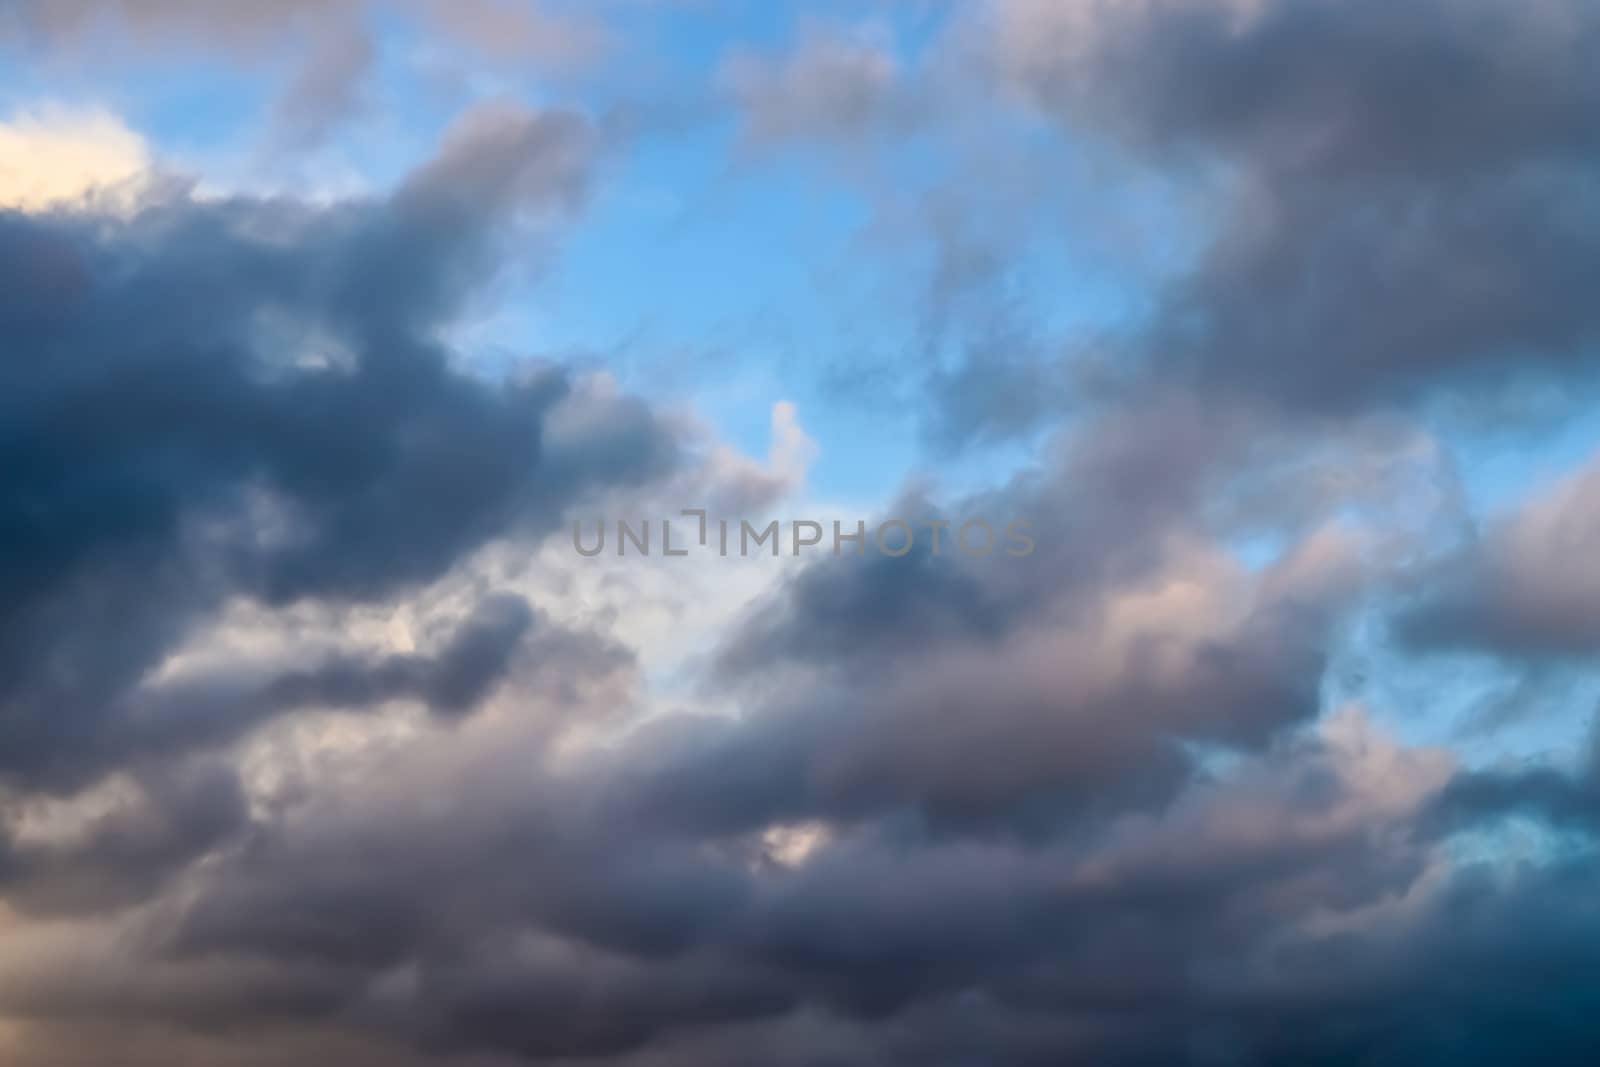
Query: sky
x=1260, y=334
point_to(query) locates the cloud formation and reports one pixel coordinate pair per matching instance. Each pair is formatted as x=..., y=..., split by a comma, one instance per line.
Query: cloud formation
x=60, y=157
x=315, y=744
x=245, y=397
x=1409, y=199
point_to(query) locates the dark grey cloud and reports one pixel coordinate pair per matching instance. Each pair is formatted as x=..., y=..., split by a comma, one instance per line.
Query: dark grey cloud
x=129, y=851
x=873, y=670
x=1563, y=799
x=241, y=397
x=1371, y=295
x=475, y=656
x=1317, y=89
x=522, y=918
x=157, y=720
x=1408, y=202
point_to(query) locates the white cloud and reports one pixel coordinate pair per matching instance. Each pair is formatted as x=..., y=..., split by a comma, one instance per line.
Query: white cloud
x=793, y=450
x=53, y=156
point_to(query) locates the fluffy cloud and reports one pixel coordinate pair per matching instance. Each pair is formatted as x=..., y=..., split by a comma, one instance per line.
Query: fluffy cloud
x=271, y=416
x=1409, y=200
x=54, y=156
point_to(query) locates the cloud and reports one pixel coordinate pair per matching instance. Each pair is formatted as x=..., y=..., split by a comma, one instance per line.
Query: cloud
x=329, y=87
x=52, y=157
x=313, y=749
x=830, y=85
x=46, y=21
x=1273, y=891
x=273, y=414
x=507, y=30
x=330, y=49
x=553, y=34
x=1525, y=587
x=1406, y=201
x=1381, y=205
x=1125, y=636
x=128, y=850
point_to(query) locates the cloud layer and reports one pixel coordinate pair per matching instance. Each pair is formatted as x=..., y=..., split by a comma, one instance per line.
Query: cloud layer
x=316, y=744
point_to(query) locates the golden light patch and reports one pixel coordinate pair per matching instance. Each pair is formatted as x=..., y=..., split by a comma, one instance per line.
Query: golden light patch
x=52, y=157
